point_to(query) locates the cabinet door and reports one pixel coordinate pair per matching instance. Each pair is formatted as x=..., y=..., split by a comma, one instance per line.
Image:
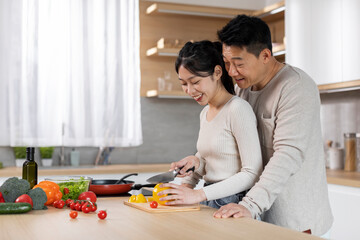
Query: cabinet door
x=313, y=36
x=351, y=39
x=344, y=203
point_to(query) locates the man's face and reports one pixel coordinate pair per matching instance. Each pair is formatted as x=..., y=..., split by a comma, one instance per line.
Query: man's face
x=245, y=68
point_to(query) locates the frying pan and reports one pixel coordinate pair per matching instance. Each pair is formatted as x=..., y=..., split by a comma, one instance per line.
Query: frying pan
x=115, y=186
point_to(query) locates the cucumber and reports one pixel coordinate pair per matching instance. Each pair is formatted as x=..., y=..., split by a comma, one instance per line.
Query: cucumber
x=13, y=208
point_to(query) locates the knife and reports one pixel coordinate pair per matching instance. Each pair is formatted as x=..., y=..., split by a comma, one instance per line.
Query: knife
x=167, y=176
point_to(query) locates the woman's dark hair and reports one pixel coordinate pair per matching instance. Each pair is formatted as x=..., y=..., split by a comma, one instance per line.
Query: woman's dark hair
x=249, y=32
x=200, y=58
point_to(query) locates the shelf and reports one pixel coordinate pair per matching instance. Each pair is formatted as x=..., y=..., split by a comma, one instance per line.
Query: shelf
x=271, y=13
x=163, y=52
x=193, y=10
x=167, y=94
x=339, y=87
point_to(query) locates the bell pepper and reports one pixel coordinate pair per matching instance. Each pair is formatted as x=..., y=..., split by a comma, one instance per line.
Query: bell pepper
x=52, y=191
x=2, y=200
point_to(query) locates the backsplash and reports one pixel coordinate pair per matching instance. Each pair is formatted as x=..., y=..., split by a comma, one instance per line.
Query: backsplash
x=340, y=113
x=170, y=130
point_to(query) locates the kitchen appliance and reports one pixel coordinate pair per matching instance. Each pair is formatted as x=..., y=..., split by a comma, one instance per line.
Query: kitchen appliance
x=115, y=186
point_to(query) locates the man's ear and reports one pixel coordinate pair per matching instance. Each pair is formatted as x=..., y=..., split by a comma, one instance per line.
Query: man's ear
x=265, y=55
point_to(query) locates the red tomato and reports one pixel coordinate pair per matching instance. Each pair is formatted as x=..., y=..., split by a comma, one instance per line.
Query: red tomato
x=93, y=206
x=102, y=214
x=68, y=202
x=60, y=204
x=66, y=191
x=24, y=199
x=73, y=206
x=86, y=209
x=73, y=214
x=78, y=206
x=88, y=196
x=154, y=204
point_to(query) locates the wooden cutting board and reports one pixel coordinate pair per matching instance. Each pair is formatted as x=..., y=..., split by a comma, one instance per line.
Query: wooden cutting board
x=162, y=209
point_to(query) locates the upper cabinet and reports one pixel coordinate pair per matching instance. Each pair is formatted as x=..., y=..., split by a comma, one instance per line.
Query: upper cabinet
x=166, y=27
x=323, y=39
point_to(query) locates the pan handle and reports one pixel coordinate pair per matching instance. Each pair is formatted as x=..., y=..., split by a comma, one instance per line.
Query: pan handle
x=139, y=186
x=126, y=176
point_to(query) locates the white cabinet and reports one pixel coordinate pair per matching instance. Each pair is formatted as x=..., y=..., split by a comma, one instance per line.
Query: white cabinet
x=351, y=39
x=345, y=205
x=323, y=38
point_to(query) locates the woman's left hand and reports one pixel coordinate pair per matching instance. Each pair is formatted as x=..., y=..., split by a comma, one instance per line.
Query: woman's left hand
x=181, y=194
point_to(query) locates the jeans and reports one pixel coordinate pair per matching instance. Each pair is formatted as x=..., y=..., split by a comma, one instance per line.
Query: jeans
x=218, y=203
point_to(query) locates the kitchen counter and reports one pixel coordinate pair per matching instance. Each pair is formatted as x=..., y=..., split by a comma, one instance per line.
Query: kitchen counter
x=124, y=222
x=338, y=177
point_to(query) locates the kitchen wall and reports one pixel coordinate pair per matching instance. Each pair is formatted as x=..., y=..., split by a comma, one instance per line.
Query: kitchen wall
x=340, y=113
x=170, y=129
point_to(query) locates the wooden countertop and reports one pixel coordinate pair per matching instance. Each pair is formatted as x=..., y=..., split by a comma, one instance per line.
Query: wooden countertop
x=89, y=170
x=338, y=177
x=124, y=222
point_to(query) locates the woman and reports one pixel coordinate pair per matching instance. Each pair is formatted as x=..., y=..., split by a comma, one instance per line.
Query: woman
x=229, y=155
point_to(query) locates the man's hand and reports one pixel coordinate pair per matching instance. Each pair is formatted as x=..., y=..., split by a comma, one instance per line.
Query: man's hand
x=232, y=210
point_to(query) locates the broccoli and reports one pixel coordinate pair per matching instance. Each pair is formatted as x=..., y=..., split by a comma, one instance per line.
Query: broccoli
x=14, y=187
x=38, y=197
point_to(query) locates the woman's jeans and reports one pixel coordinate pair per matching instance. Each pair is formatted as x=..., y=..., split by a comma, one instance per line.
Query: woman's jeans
x=218, y=203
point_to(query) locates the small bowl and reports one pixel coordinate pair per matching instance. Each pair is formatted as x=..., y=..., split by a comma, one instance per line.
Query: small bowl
x=75, y=184
x=46, y=162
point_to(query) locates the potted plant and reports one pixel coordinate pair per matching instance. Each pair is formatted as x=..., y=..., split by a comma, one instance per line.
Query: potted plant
x=20, y=155
x=46, y=156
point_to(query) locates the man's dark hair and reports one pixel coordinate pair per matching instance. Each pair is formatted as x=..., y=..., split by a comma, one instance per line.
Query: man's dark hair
x=249, y=32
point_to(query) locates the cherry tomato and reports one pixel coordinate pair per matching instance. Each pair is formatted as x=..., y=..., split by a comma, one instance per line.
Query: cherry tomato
x=60, y=204
x=73, y=214
x=86, y=209
x=68, y=202
x=66, y=191
x=73, y=206
x=93, y=206
x=24, y=199
x=102, y=214
x=78, y=206
x=153, y=204
x=55, y=203
x=88, y=196
x=156, y=190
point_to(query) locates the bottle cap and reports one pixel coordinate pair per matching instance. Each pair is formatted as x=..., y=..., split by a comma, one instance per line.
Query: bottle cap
x=30, y=150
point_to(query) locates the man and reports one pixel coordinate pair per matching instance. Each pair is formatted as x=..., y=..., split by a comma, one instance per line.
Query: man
x=292, y=190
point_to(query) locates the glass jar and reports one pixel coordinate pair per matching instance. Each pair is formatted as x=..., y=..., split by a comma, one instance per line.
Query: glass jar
x=350, y=151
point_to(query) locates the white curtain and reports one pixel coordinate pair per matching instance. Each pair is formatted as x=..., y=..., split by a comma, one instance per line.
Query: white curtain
x=69, y=73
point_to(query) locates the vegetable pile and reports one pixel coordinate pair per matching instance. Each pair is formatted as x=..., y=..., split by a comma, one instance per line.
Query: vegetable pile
x=17, y=197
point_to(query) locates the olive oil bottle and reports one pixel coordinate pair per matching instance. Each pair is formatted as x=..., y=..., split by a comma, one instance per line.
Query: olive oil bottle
x=30, y=168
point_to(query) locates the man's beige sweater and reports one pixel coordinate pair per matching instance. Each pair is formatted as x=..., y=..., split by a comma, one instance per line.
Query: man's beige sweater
x=292, y=190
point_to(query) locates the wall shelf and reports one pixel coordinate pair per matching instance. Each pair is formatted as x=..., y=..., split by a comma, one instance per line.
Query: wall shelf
x=167, y=94
x=193, y=10
x=271, y=13
x=339, y=87
x=163, y=52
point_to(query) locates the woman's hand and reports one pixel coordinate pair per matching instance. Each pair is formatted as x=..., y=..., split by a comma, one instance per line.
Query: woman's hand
x=181, y=194
x=232, y=210
x=186, y=163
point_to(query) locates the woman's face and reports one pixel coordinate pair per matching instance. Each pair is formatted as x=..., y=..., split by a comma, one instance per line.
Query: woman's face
x=201, y=89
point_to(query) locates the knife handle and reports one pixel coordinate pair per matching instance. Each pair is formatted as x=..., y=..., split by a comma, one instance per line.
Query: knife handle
x=190, y=169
